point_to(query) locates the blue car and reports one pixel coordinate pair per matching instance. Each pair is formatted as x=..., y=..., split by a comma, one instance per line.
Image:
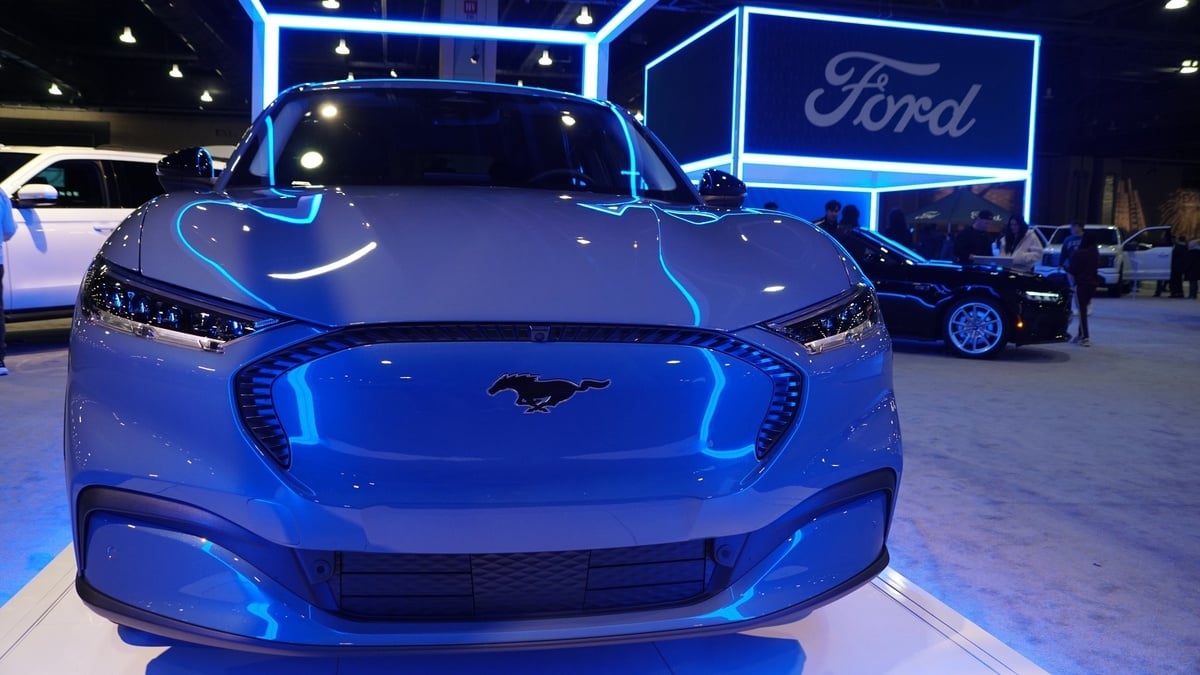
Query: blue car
x=456, y=365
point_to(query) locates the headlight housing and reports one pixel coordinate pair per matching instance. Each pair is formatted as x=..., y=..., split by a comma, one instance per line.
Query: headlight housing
x=1043, y=296
x=844, y=320
x=122, y=300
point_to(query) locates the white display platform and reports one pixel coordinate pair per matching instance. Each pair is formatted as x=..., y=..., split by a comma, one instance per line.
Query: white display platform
x=887, y=626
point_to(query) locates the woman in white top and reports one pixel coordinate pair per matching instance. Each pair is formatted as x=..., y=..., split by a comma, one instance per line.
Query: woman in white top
x=1021, y=243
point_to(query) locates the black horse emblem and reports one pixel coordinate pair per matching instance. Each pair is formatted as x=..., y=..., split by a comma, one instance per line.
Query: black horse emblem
x=541, y=395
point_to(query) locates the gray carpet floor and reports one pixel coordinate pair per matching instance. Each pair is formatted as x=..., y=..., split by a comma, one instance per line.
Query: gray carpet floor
x=1050, y=495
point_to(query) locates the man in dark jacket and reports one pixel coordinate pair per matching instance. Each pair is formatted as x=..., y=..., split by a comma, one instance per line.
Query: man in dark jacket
x=974, y=240
x=1178, y=265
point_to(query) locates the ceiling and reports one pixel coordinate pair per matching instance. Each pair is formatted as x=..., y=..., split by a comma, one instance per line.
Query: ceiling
x=1109, y=81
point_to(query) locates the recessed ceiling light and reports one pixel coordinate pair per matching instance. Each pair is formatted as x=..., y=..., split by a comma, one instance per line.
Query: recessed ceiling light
x=545, y=59
x=330, y=4
x=584, y=18
x=175, y=71
x=206, y=97
x=127, y=36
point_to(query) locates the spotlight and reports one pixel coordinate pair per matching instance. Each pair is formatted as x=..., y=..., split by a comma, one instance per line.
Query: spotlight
x=175, y=71
x=341, y=47
x=330, y=4
x=1175, y=4
x=54, y=89
x=584, y=18
x=545, y=60
x=206, y=97
x=127, y=36
x=1189, y=66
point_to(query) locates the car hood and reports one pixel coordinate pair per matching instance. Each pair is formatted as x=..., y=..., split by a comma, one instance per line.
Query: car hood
x=395, y=254
x=986, y=274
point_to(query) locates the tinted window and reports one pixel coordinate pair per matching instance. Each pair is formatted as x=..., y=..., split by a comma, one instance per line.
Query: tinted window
x=78, y=181
x=445, y=137
x=137, y=182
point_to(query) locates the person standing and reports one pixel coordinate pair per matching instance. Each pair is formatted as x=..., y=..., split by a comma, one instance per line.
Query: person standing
x=897, y=228
x=8, y=227
x=1084, y=266
x=1178, y=265
x=1192, y=269
x=974, y=240
x=1021, y=244
x=1070, y=244
x=829, y=221
x=849, y=220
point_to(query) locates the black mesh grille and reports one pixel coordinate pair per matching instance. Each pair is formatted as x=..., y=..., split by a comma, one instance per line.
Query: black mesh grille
x=516, y=585
x=253, y=383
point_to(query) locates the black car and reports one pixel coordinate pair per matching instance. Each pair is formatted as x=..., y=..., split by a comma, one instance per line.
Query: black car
x=975, y=309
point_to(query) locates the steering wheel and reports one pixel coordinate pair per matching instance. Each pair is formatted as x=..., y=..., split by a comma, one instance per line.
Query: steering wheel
x=569, y=173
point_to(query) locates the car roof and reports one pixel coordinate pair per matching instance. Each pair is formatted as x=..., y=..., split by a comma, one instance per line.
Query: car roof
x=80, y=150
x=448, y=85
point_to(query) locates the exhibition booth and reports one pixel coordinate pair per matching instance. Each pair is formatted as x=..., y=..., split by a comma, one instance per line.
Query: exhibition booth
x=802, y=107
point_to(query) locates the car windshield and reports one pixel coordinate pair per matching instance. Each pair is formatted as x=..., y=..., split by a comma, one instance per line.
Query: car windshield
x=876, y=247
x=11, y=161
x=398, y=136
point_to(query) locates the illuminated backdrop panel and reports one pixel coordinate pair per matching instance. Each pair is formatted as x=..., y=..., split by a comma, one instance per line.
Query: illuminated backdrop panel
x=836, y=89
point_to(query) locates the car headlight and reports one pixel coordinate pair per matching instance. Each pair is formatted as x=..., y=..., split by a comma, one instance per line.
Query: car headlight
x=121, y=300
x=844, y=320
x=1043, y=296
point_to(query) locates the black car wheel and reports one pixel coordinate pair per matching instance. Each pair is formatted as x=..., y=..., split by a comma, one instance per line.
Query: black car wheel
x=975, y=328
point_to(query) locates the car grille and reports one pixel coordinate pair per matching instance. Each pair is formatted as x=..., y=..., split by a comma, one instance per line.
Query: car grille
x=380, y=586
x=254, y=383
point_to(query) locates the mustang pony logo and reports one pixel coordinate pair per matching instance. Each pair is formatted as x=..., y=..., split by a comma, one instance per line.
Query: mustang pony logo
x=540, y=395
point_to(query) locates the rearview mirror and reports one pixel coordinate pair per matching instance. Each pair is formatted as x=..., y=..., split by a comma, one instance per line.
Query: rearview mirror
x=33, y=194
x=722, y=190
x=187, y=169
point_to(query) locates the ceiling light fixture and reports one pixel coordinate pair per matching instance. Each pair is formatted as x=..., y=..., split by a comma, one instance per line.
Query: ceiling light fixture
x=584, y=18
x=341, y=47
x=127, y=36
x=545, y=60
x=474, y=57
x=392, y=72
x=330, y=4
x=1189, y=66
x=1175, y=4
x=54, y=89
x=175, y=71
x=350, y=75
x=206, y=97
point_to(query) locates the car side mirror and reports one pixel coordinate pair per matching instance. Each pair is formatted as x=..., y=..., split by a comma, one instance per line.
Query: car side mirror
x=33, y=194
x=722, y=190
x=187, y=169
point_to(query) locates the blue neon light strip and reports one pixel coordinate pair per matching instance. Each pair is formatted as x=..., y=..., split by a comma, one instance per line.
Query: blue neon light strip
x=876, y=165
x=888, y=23
x=473, y=31
x=590, y=41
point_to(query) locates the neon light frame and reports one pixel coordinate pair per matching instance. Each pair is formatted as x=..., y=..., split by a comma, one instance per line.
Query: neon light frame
x=922, y=176
x=265, y=61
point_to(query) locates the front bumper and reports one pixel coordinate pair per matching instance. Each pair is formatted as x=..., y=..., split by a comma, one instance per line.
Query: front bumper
x=174, y=571
x=1043, y=322
x=184, y=527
